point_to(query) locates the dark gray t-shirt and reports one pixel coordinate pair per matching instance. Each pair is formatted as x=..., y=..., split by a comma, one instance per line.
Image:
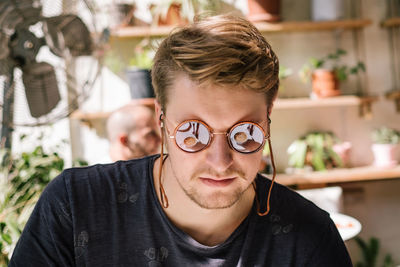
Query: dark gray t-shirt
x=109, y=215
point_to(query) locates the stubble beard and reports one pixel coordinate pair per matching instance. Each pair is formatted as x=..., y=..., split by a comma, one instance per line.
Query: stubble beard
x=217, y=200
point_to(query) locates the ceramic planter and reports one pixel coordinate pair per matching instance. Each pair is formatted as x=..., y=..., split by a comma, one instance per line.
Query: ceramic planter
x=139, y=81
x=384, y=155
x=264, y=10
x=343, y=150
x=327, y=10
x=324, y=83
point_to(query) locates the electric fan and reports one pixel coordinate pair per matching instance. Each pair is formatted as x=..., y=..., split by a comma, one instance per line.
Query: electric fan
x=43, y=46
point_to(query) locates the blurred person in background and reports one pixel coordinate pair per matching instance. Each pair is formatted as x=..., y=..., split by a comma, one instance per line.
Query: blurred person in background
x=132, y=132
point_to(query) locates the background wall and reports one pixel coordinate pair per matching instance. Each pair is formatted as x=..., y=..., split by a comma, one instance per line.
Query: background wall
x=375, y=204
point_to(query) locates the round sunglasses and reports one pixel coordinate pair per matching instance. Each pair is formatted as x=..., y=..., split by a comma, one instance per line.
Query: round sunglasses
x=194, y=135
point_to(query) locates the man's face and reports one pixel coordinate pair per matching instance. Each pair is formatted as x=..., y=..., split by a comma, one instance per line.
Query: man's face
x=144, y=140
x=217, y=176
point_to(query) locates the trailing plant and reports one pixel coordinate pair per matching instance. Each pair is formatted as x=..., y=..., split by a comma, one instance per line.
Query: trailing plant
x=314, y=149
x=385, y=135
x=332, y=62
x=22, y=180
x=370, y=253
x=284, y=72
x=143, y=54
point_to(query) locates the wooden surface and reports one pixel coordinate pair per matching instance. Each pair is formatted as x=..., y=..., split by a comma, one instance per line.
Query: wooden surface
x=339, y=176
x=393, y=95
x=392, y=22
x=295, y=103
x=280, y=103
x=286, y=26
x=298, y=26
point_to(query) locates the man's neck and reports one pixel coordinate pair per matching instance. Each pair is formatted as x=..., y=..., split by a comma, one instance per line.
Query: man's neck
x=207, y=226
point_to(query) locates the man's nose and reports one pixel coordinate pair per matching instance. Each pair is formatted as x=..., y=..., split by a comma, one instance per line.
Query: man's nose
x=219, y=153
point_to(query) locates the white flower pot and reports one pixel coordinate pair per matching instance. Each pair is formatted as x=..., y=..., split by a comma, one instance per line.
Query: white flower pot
x=327, y=10
x=384, y=155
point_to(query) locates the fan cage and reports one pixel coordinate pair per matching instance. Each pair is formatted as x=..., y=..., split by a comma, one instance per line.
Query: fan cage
x=75, y=76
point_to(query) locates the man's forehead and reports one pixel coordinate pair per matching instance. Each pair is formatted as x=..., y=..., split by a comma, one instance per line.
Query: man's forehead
x=213, y=104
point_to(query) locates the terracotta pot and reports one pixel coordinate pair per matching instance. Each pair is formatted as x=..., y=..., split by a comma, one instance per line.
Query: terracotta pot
x=325, y=83
x=264, y=10
x=384, y=155
x=173, y=16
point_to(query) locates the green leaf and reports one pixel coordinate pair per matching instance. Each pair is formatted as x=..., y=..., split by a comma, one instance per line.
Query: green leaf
x=297, y=153
x=341, y=52
x=341, y=73
x=361, y=66
x=7, y=238
x=388, y=261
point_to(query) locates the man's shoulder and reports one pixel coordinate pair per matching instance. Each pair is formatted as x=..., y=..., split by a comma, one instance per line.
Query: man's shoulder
x=102, y=177
x=291, y=205
x=118, y=169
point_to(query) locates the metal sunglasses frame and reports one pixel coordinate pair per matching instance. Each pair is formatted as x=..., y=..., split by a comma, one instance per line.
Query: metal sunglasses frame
x=227, y=134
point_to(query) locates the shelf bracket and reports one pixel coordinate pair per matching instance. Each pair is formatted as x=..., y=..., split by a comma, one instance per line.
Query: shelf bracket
x=395, y=96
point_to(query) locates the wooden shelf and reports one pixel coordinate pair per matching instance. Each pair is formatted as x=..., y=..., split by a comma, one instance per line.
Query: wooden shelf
x=287, y=26
x=280, y=104
x=140, y=32
x=87, y=117
x=337, y=101
x=338, y=176
x=392, y=22
x=394, y=95
x=299, y=26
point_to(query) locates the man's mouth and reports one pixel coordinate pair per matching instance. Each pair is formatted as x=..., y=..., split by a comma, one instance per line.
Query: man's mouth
x=217, y=182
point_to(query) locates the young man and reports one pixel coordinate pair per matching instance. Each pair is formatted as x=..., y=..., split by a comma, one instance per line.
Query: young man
x=203, y=204
x=133, y=133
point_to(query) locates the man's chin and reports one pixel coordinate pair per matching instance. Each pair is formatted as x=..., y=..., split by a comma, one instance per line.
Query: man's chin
x=216, y=200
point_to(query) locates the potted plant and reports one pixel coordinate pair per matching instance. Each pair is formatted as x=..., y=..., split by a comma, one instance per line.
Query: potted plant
x=314, y=151
x=122, y=15
x=327, y=72
x=180, y=12
x=370, y=253
x=22, y=179
x=385, y=144
x=138, y=73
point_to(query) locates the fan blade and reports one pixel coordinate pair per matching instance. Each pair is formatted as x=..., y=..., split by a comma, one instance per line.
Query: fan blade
x=54, y=39
x=19, y=12
x=4, y=50
x=41, y=88
x=76, y=36
x=6, y=66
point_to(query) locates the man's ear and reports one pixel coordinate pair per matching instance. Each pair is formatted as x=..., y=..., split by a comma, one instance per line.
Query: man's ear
x=123, y=139
x=159, y=111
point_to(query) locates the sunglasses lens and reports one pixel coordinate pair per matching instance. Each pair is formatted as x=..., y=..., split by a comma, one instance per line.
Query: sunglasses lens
x=246, y=137
x=192, y=136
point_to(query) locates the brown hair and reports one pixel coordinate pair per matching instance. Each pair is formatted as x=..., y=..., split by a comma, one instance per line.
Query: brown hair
x=222, y=50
